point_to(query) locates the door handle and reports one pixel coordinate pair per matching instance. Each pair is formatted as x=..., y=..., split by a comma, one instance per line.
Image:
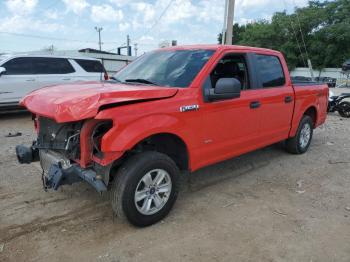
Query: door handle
x=255, y=104
x=288, y=99
x=30, y=80
x=66, y=79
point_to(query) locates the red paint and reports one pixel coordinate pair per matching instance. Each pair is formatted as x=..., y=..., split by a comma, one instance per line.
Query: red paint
x=85, y=142
x=217, y=131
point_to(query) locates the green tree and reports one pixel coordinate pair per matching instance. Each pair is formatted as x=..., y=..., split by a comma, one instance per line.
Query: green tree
x=320, y=31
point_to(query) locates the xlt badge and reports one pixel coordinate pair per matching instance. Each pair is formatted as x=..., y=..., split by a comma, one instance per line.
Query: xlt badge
x=189, y=108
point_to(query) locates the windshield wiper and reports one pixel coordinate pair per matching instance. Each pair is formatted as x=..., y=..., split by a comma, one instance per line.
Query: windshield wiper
x=141, y=81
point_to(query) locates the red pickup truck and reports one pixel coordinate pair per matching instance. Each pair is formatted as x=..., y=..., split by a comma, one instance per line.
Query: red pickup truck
x=171, y=110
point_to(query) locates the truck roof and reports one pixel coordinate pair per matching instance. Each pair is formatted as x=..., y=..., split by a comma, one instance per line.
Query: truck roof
x=222, y=47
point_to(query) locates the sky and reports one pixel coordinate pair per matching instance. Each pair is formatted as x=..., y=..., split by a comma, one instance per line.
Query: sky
x=27, y=25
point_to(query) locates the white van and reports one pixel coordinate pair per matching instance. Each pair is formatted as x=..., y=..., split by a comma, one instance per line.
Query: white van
x=21, y=74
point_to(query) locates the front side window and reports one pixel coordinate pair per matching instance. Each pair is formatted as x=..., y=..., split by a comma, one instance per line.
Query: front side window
x=172, y=68
x=231, y=66
x=270, y=71
x=19, y=66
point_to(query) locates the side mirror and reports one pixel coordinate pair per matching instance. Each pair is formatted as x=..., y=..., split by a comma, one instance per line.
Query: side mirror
x=2, y=70
x=225, y=88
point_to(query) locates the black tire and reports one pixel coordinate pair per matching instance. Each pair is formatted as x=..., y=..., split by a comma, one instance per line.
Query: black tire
x=127, y=180
x=294, y=144
x=344, y=109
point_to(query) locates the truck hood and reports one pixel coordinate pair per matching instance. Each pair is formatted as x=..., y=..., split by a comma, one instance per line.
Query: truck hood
x=73, y=102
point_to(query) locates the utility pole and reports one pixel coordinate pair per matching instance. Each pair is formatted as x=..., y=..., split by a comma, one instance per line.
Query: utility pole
x=229, y=15
x=311, y=69
x=99, y=29
x=128, y=45
x=135, y=48
x=223, y=34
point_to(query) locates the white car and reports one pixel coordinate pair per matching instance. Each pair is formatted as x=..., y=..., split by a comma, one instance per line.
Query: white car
x=21, y=74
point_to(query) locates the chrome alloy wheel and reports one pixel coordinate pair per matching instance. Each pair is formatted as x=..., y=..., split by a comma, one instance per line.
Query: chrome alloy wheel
x=153, y=191
x=305, y=135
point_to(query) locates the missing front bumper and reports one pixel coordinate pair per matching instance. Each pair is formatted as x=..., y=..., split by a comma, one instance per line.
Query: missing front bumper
x=57, y=170
x=57, y=176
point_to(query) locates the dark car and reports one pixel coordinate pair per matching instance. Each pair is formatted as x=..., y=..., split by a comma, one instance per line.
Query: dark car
x=301, y=79
x=331, y=82
x=346, y=65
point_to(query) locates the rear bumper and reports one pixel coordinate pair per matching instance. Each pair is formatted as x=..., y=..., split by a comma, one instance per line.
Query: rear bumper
x=57, y=173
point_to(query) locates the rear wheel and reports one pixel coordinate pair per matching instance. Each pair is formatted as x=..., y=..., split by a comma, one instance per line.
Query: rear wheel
x=344, y=109
x=300, y=143
x=145, y=188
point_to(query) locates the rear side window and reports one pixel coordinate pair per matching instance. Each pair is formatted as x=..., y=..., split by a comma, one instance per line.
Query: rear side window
x=37, y=66
x=90, y=66
x=270, y=71
x=43, y=65
x=19, y=66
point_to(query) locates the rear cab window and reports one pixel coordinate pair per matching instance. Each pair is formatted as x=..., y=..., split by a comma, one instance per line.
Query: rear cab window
x=91, y=66
x=270, y=71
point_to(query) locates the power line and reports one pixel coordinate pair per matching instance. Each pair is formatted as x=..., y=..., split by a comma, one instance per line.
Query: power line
x=51, y=38
x=159, y=18
x=301, y=32
x=295, y=34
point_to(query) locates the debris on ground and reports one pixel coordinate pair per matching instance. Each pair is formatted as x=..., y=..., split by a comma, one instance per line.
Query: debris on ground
x=347, y=208
x=2, y=247
x=279, y=212
x=300, y=183
x=13, y=134
x=333, y=162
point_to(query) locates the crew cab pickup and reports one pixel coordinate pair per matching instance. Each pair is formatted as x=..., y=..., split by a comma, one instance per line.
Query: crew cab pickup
x=171, y=110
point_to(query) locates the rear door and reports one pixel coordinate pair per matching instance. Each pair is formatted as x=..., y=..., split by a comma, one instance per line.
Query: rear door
x=276, y=98
x=52, y=71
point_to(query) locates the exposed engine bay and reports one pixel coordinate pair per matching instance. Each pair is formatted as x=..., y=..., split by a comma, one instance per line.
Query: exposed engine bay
x=58, y=148
x=64, y=137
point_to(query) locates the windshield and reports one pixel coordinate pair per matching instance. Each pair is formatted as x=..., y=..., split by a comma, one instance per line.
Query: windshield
x=173, y=68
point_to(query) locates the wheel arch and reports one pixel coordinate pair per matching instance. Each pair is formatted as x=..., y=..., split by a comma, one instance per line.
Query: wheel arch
x=311, y=112
x=167, y=143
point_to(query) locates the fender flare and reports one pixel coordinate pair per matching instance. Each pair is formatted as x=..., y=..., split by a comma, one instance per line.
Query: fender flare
x=296, y=120
x=121, y=139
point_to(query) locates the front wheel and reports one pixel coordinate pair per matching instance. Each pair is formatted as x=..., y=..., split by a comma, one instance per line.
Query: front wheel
x=344, y=109
x=145, y=188
x=300, y=143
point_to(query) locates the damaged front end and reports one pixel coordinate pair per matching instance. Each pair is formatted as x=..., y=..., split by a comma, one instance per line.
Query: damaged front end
x=69, y=153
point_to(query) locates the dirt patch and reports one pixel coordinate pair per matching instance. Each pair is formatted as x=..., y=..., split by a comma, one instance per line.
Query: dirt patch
x=264, y=206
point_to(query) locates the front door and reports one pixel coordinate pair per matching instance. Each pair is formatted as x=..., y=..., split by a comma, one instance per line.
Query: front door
x=18, y=80
x=230, y=127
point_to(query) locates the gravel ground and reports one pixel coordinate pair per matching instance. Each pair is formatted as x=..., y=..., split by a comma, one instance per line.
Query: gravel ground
x=264, y=206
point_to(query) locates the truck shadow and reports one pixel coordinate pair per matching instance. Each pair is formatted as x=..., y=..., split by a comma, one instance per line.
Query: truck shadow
x=230, y=169
x=80, y=200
